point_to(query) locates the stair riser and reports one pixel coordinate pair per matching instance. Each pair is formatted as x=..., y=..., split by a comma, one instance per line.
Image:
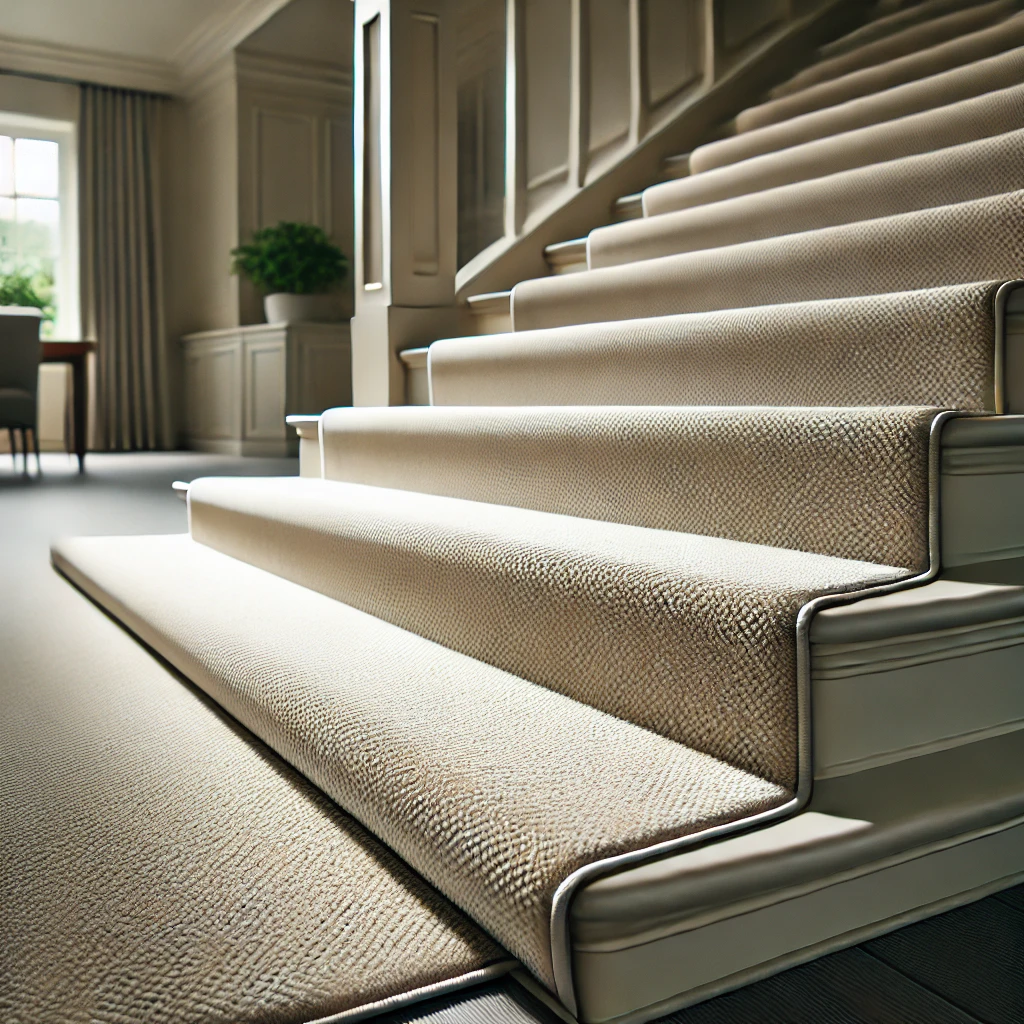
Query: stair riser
x=809, y=480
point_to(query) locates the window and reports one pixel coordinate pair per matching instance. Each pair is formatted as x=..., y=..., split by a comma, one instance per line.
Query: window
x=38, y=215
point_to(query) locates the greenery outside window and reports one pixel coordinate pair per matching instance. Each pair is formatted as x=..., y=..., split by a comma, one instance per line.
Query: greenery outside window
x=38, y=216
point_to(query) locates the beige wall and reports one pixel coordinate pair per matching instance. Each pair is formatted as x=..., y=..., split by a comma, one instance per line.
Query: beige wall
x=295, y=154
x=266, y=136
x=203, y=294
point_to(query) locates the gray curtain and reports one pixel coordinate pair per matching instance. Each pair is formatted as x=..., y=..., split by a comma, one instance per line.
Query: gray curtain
x=122, y=293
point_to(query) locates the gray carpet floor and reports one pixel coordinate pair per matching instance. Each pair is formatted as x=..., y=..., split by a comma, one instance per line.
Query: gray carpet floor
x=961, y=967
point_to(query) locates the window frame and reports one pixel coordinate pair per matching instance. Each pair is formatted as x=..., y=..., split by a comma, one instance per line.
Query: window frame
x=68, y=324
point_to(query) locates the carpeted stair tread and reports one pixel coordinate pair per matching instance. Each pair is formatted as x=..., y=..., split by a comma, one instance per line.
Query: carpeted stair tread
x=640, y=623
x=955, y=53
x=955, y=175
x=908, y=40
x=820, y=480
x=968, y=120
x=931, y=347
x=886, y=24
x=946, y=245
x=961, y=83
x=492, y=788
x=159, y=864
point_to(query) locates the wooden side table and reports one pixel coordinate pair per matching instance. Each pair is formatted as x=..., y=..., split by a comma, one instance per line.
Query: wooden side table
x=75, y=353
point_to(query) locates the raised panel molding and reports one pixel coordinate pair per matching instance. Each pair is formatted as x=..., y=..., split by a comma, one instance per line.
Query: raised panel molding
x=286, y=167
x=426, y=97
x=295, y=153
x=264, y=387
x=213, y=408
x=322, y=371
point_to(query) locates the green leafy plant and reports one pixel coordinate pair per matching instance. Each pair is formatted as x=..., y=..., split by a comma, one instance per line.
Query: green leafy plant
x=295, y=258
x=21, y=289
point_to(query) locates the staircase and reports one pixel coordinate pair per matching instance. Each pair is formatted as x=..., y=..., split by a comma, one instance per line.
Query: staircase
x=680, y=639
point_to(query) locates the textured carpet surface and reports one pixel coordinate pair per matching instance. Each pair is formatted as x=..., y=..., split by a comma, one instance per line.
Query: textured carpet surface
x=691, y=637
x=931, y=347
x=493, y=788
x=157, y=862
x=846, y=482
x=998, y=72
x=944, y=56
x=888, y=23
x=907, y=40
x=980, y=117
x=954, y=175
x=945, y=245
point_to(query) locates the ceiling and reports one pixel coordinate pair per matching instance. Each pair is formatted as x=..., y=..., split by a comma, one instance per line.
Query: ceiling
x=142, y=43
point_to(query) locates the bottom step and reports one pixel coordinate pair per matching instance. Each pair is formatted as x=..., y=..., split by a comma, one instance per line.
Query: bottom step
x=640, y=936
x=492, y=788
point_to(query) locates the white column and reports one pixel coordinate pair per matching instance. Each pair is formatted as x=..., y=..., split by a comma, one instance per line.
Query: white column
x=406, y=222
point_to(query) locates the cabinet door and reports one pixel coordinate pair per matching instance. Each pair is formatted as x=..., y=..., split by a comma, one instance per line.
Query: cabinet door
x=264, y=389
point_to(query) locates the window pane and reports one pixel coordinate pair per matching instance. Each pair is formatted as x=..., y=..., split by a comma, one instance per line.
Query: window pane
x=38, y=230
x=35, y=167
x=6, y=165
x=8, y=227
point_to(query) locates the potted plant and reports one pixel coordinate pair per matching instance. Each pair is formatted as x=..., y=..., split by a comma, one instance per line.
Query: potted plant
x=295, y=266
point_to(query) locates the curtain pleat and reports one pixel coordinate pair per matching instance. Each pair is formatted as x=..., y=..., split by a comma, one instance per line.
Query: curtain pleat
x=122, y=294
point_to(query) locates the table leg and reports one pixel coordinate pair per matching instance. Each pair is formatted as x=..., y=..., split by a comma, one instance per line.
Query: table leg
x=78, y=367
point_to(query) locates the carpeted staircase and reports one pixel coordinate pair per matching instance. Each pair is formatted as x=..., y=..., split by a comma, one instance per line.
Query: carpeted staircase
x=681, y=638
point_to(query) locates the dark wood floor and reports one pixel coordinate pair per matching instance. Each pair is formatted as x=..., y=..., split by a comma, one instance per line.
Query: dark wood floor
x=963, y=967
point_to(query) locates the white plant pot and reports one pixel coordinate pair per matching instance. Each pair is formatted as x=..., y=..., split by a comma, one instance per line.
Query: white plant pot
x=285, y=308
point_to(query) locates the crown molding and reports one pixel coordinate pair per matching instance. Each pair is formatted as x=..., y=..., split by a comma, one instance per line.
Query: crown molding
x=291, y=76
x=220, y=33
x=189, y=69
x=27, y=56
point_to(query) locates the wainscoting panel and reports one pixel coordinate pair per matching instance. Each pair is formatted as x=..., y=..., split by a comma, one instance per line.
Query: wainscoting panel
x=240, y=383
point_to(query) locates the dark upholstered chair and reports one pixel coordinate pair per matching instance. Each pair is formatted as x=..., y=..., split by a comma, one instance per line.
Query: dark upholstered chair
x=19, y=376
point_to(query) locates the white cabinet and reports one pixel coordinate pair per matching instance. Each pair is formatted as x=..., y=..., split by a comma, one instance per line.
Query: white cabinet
x=241, y=382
